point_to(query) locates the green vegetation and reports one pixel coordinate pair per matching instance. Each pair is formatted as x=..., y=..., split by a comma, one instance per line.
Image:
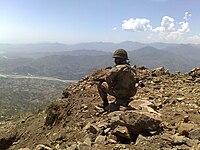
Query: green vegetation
x=18, y=96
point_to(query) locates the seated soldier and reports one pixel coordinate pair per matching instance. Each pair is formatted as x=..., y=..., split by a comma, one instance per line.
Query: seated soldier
x=119, y=81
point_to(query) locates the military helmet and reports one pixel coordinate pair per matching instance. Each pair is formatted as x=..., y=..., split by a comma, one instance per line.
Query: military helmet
x=120, y=53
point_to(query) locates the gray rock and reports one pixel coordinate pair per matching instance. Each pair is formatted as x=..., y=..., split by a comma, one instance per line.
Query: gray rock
x=180, y=99
x=100, y=139
x=177, y=140
x=185, y=128
x=160, y=71
x=83, y=146
x=88, y=141
x=140, y=139
x=186, y=119
x=107, y=130
x=182, y=147
x=42, y=147
x=138, y=120
x=122, y=131
x=112, y=141
x=72, y=147
x=195, y=72
x=112, y=138
x=91, y=128
x=103, y=125
x=114, y=121
x=195, y=134
x=119, y=146
x=115, y=113
x=139, y=104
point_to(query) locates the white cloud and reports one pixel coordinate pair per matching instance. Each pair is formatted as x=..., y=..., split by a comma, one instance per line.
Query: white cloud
x=194, y=39
x=187, y=15
x=168, y=36
x=114, y=28
x=136, y=24
x=170, y=30
x=159, y=29
x=167, y=25
x=174, y=36
x=184, y=27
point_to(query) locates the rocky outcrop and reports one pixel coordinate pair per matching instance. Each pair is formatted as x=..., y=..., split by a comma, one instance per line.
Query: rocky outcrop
x=162, y=115
x=195, y=72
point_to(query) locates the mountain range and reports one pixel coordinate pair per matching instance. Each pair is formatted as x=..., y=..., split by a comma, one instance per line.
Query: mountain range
x=101, y=46
x=75, y=61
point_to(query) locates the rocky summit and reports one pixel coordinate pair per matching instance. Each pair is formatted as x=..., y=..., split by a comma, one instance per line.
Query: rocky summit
x=165, y=114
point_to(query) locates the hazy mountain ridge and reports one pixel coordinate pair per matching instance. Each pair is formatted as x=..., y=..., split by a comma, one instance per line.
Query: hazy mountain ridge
x=74, y=64
x=188, y=51
x=101, y=46
x=153, y=58
x=60, y=66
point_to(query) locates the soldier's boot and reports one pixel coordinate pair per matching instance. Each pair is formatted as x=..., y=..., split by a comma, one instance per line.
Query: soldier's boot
x=123, y=101
x=104, y=104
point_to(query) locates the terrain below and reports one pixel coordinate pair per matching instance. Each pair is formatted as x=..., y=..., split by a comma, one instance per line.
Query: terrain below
x=164, y=115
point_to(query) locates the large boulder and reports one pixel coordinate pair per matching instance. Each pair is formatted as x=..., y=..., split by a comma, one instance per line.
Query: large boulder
x=127, y=124
x=195, y=72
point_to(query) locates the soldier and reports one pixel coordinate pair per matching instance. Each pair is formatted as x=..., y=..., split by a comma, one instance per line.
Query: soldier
x=119, y=81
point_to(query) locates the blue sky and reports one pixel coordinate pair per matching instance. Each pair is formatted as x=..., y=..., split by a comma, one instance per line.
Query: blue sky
x=77, y=21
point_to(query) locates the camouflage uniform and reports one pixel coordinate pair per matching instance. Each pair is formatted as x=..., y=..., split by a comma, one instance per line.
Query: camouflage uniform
x=120, y=83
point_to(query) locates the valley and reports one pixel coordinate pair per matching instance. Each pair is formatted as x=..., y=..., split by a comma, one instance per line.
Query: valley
x=22, y=94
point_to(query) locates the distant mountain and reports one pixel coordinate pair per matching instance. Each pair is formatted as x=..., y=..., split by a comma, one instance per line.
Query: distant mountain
x=186, y=50
x=153, y=58
x=60, y=66
x=70, y=67
x=82, y=52
x=100, y=46
x=43, y=54
x=76, y=64
x=38, y=47
x=107, y=46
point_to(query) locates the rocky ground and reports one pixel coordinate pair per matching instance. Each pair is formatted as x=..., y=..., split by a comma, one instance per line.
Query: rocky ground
x=163, y=115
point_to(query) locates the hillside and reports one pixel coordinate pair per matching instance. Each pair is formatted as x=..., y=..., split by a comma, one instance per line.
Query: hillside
x=170, y=59
x=190, y=52
x=78, y=63
x=60, y=66
x=20, y=96
x=163, y=115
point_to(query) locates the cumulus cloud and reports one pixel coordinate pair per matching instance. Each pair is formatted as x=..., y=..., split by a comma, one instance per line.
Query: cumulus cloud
x=114, y=28
x=167, y=24
x=170, y=30
x=184, y=25
x=136, y=24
